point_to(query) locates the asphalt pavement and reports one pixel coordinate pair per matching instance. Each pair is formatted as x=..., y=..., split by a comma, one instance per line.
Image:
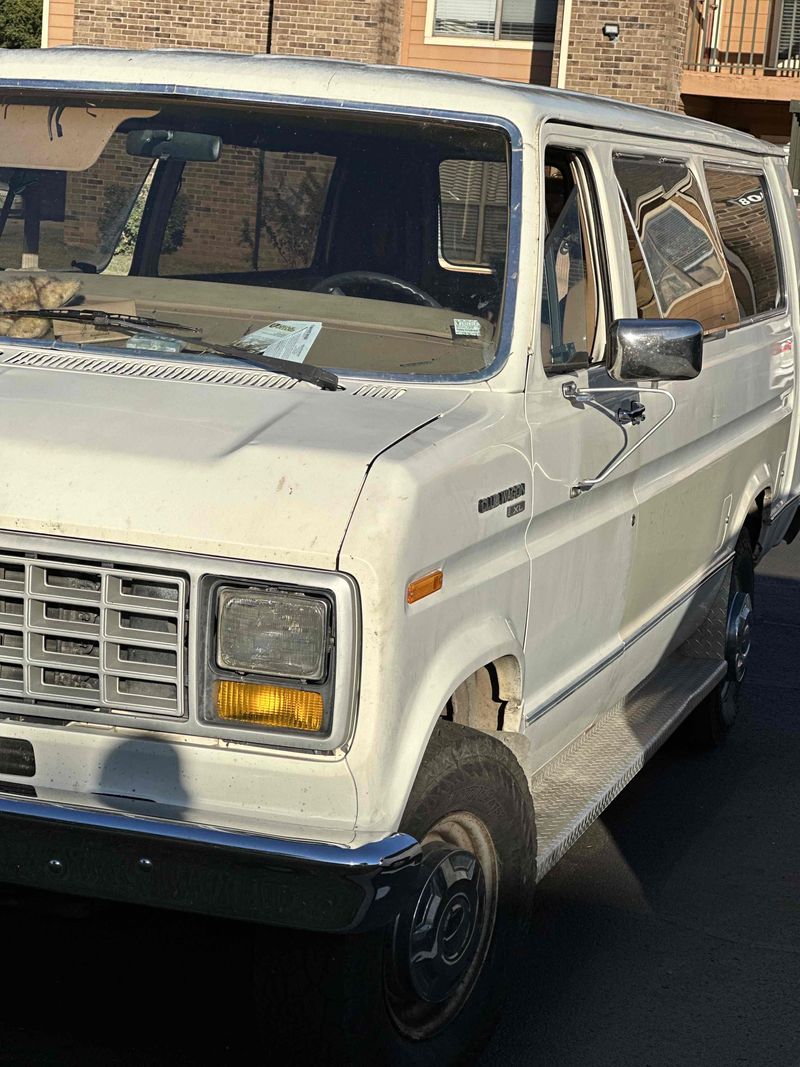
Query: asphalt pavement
x=669, y=935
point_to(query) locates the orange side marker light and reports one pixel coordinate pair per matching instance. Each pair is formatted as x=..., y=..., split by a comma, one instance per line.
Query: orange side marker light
x=424, y=586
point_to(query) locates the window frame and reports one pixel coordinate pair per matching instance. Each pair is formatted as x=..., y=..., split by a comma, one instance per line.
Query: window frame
x=586, y=184
x=462, y=40
x=506, y=360
x=761, y=175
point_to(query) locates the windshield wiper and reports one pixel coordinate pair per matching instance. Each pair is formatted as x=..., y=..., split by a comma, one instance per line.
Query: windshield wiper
x=105, y=319
x=135, y=324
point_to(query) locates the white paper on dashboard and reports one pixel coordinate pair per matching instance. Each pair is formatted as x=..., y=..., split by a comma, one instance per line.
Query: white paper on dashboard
x=287, y=339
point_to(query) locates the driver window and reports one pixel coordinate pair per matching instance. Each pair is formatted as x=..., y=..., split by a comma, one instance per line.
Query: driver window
x=569, y=315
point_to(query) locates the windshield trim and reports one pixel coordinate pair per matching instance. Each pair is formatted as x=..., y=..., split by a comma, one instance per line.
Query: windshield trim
x=174, y=92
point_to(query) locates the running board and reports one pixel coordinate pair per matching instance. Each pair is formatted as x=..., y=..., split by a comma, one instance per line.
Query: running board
x=580, y=783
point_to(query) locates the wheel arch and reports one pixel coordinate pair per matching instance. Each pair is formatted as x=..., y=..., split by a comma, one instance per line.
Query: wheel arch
x=385, y=764
x=490, y=698
x=753, y=509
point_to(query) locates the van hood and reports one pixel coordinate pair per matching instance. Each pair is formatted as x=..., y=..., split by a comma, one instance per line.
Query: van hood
x=224, y=462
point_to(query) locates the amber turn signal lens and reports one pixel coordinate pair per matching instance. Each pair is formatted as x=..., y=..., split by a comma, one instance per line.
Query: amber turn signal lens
x=269, y=705
x=422, y=587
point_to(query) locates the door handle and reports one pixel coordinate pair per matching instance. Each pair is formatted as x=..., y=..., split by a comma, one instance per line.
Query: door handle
x=631, y=413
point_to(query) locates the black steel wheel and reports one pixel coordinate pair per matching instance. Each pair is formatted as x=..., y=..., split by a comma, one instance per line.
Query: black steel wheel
x=712, y=720
x=427, y=989
x=434, y=954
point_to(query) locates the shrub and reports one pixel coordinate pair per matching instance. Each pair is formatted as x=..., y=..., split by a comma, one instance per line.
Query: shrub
x=20, y=23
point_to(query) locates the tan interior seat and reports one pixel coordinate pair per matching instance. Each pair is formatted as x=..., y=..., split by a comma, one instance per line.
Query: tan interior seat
x=577, y=314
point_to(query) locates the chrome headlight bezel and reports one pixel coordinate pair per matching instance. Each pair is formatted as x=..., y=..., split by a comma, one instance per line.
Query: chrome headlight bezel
x=339, y=687
x=214, y=671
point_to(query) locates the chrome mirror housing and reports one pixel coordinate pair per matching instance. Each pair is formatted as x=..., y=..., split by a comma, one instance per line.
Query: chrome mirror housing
x=665, y=350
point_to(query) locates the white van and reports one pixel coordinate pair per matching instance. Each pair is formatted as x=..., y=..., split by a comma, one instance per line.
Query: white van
x=385, y=459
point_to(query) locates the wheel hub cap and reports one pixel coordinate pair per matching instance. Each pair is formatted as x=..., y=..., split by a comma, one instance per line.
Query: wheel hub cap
x=739, y=636
x=437, y=943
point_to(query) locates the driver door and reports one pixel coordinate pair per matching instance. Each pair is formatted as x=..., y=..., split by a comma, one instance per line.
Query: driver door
x=580, y=544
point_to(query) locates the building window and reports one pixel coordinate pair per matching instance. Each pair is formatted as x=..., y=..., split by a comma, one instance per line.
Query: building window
x=788, y=35
x=473, y=212
x=499, y=20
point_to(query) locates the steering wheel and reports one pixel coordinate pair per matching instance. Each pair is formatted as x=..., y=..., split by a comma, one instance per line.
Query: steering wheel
x=363, y=278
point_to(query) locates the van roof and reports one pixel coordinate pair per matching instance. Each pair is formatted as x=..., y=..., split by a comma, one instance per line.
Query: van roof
x=169, y=71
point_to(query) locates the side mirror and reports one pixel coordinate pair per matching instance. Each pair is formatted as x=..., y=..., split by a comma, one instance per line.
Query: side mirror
x=182, y=145
x=666, y=350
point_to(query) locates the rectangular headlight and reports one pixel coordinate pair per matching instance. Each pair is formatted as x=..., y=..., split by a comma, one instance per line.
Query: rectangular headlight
x=270, y=632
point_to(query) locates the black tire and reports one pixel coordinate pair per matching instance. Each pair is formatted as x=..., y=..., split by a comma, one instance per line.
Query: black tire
x=711, y=721
x=346, y=999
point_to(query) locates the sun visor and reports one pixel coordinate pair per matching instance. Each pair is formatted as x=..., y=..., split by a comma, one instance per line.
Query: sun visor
x=56, y=137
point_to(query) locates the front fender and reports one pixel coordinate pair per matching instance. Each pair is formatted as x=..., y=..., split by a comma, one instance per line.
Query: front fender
x=386, y=755
x=419, y=512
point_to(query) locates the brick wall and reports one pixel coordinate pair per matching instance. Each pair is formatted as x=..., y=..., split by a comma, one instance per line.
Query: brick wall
x=643, y=66
x=223, y=227
x=235, y=25
x=99, y=196
x=366, y=30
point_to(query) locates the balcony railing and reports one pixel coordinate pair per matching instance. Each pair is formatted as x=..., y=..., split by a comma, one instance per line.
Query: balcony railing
x=757, y=37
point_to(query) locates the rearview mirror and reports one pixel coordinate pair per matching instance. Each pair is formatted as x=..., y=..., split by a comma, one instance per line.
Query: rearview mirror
x=666, y=350
x=182, y=145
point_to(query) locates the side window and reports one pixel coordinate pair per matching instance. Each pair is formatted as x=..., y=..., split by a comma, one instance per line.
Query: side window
x=740, y=206
x=679, y=271
x=569, y=316
x=473, y=211
x=82, y=214
x=122, y=255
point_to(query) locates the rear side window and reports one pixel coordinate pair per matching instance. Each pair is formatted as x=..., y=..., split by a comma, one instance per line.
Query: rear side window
x=679, y=268
x=739, y=203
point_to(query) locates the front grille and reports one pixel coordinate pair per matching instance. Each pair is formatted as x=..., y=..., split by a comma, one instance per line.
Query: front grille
x=92, y=634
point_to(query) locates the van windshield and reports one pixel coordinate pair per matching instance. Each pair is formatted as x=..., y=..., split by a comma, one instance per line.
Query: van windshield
x=368, y=244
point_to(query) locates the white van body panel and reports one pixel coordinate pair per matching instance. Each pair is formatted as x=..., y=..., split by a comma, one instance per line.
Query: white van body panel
x=580, y=597
x=248, y=472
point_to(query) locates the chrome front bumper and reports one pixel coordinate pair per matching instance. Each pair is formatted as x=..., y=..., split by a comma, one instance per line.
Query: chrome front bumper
x=138, y=859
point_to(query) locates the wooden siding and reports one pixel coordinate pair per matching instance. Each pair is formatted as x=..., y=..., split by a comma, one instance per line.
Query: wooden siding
x=751, y=85
x=770, y=119
x=742, y=34
x=61, y=23
x=511, y=64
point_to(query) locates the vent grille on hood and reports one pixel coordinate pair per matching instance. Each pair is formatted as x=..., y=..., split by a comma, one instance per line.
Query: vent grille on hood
x=160, y=370
x=171, y=371
x=379, y=392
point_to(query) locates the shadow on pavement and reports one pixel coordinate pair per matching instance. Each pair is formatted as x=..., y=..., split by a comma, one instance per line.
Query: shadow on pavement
x=669, y=935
